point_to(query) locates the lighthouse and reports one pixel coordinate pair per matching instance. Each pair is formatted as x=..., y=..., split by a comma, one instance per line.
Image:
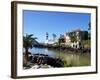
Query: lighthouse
x=47, y=36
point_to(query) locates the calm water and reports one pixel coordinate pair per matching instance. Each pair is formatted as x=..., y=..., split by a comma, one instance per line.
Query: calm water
x=77, y=59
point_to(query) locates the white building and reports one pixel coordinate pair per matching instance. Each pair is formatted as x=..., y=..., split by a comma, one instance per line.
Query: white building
x=49, y=42
x=67, y=39
x=78, y=34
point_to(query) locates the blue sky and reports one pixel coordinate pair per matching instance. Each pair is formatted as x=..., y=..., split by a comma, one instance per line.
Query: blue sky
x=40, y=22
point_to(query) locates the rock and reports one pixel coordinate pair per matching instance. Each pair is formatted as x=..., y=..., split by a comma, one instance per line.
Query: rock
x=35, y=67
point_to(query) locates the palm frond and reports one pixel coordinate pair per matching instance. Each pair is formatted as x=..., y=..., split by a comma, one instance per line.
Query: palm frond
x=29, y=41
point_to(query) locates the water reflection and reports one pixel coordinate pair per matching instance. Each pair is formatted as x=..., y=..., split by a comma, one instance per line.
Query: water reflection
x=71, y=58
x=51, y=53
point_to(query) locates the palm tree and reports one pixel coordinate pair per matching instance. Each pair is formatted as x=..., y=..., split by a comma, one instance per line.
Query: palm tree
x=28, y=42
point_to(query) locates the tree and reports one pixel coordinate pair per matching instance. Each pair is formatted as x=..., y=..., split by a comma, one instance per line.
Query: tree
x=73, y=37
x=89, y=26
x=28, y=42
x=61, y=39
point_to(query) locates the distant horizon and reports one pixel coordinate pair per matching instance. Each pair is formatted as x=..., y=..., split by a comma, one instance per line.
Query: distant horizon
x=40, y=22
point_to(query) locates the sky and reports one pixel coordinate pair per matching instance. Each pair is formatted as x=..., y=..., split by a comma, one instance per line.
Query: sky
x=40, y=22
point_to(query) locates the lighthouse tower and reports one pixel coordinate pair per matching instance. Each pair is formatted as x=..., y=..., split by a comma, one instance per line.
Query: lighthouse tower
x=47, y=36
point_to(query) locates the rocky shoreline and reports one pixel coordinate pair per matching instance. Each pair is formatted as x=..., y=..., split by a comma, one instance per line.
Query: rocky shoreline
x=37, y=61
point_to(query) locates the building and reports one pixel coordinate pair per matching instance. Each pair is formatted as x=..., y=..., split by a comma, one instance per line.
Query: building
x=67, y=39
x=49, y=42
x=70, y=39
x=74, y=38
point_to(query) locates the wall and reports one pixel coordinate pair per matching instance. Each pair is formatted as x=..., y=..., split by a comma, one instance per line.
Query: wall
x=5, y=40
